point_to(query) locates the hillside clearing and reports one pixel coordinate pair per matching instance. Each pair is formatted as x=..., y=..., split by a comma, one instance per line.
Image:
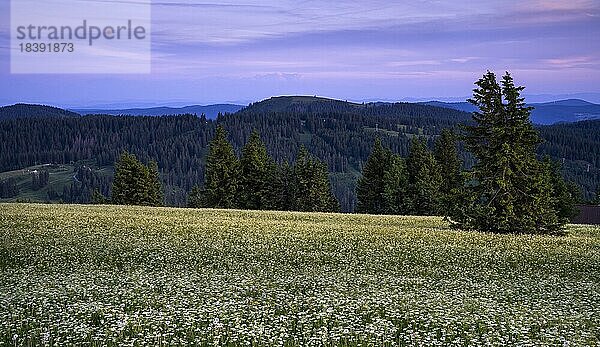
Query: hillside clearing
x=107, y=275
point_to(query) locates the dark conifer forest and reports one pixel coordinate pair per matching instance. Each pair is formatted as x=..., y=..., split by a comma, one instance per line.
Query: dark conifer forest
x=338, y=133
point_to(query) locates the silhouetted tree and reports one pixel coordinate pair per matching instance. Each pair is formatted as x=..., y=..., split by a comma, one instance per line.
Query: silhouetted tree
x=284, y=188
x=196, y=197
x=313, y=189
x=395, y=186
x=155, y=192
x=565, y=195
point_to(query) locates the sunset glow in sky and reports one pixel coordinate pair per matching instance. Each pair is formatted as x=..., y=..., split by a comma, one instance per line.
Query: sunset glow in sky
x=243, y=51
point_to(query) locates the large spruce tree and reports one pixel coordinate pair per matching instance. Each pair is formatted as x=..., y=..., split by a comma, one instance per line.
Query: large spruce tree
x=510, y=190
x=221, y=180
x=424, y=180
x=196, y=197
x=370, y=188
x=257, y=170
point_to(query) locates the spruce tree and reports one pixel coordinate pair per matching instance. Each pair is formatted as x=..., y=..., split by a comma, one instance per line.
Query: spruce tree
x=221, y=176
x=512, y=190
x=284, y=188
x=564, y=194
x=395, y=186
x=303, y=172
x=257, y=170
x=449, y=166
x=313, y=188
x=196, y=197
x=371, y=185
x=129, y=184
x=424, y=180
x=136, y=183
x=155, y=192
x=98, y=198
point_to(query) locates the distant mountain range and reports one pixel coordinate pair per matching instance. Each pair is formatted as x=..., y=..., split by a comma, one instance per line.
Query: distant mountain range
x=562, y=111
x=210, y=111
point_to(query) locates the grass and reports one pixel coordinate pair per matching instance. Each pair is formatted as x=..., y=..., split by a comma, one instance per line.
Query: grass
x=106, y=275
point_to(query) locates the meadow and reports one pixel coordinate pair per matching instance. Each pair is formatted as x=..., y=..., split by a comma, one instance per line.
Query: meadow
x=107, y=275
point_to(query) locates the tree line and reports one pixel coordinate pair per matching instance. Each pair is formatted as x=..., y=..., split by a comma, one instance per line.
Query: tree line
x=339, y=134
x=508, y=190
x=420, y=184
x=252, y=181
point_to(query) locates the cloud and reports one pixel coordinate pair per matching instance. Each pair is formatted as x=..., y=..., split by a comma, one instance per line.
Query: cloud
x=351, y=47
x=463, y=59
x=560, y=5
x=572, y=62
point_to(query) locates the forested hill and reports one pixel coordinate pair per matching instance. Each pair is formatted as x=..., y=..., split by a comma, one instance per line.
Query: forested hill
x=301, y=104
x=34, y=111
x=337, y=132
x=313, y=105
x=577, y=146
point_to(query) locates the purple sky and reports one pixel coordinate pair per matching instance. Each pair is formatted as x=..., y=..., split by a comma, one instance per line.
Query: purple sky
x=243, y=51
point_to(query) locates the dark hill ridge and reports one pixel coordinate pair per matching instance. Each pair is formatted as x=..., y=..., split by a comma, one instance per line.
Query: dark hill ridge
x=567, y=102
x=34, y=111
x=301, y=104
x=320, y=105
x=280, y=104
x=566, y=111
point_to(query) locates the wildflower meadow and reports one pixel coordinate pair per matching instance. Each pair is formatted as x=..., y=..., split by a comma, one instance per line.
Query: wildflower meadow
x=138, y=276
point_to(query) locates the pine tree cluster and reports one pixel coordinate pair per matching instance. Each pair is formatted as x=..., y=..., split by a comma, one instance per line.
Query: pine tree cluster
x=421, y=184
x=256, y=182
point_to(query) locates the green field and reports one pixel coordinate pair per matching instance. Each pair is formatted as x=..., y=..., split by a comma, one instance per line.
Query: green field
x=61, y=175
x=105, y=275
